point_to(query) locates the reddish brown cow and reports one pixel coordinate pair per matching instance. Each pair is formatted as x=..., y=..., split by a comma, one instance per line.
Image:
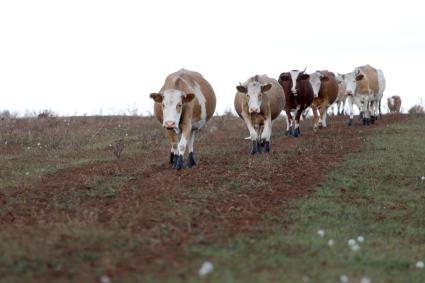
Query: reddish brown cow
x=298, y=96
x=394, y=104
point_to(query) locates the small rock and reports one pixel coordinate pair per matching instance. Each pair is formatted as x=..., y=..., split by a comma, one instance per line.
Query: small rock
x=330, y=243
x=420, y=264
x=321, y=233
x=360, y=239
x=207, y=267
x=351, y=242
x=105, y=279
x=343, y=278
x=355, y=248
x=365, y=280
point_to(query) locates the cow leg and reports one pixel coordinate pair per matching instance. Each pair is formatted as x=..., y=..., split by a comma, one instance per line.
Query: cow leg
x=324, y=117
x=266, y=135
x=289, y=127
x=191, y=160
x=350, y=110
x=315, y=117
x=297, y=131
x=252, y=132
x=173, y=139
x=186, y=135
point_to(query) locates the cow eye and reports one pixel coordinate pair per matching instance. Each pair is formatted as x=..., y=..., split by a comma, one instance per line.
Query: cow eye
x=163, y=105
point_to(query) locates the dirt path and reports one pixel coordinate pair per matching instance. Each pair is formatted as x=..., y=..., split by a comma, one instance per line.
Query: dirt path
x=228, y=193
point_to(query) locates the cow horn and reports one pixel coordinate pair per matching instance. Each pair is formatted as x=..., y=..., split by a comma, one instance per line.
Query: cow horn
x=304, y=70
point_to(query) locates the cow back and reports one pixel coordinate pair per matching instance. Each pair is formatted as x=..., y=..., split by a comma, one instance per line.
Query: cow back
x=370, y=81
x=204, y=103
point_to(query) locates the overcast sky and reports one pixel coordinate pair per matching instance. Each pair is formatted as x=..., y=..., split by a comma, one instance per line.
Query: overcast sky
x=87, y=57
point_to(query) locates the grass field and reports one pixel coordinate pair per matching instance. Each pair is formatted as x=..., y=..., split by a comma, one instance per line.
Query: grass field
x=70, y=211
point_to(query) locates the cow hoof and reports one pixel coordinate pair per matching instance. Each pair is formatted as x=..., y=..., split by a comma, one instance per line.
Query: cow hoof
x=350, y=122
x=171, y=158
x=364, y=122
x=254, y=148
x=179, y=163
x=267, y=146
x=290, y=132
x=191, y=161
x=297, y=132
x=372, y=119
x=367, y=121
x=175, y=160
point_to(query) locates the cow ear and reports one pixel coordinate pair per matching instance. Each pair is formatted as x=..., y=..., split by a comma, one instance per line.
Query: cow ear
x=266, y=87
x=188, y=97
x=284, y=77
x=304, y=76
x=157, y=97
x=241, y=88
x=359, y=77
x=324, y=78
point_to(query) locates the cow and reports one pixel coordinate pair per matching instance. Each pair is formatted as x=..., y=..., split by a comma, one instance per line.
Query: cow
x=325, y=90
x=365, y=88
x=298, y=96
x=184, y=104
x=394, y=104
x=342, y=96
x=258, y=102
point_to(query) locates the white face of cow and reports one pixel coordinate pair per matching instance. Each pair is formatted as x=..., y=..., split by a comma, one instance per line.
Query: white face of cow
x=294, y=76
x=315, y=80
x=254, y=91
x=350, y=81
x=172, y=101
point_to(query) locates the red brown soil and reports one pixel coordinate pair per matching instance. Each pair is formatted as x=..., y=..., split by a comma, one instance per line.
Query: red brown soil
x=228, y=193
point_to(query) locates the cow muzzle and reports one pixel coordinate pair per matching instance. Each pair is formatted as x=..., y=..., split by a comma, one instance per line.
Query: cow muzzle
x=294, y=92
x=254, y=110
x=169, y=125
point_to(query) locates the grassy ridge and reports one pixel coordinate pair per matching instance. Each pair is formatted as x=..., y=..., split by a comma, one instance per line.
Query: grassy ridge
x=377, y=194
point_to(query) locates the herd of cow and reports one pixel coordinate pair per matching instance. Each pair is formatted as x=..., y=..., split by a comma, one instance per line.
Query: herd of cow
x=187, y=101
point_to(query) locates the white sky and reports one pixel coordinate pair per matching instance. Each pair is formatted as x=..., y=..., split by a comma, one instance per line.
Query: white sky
x=81, y=57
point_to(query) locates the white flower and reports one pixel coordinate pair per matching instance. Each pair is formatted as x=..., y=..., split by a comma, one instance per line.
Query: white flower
x=206, y=268
x=105, y=279
x=365, y=280
x=330, y=243
x=423, y=178
x=360, y=239
x=321, y=233
x=38, y=144
x=27, y=173
x=355, y=248
x=343, y=278
x=5, y=142
x=420, y=264
x=351, y=242
x=126, y=134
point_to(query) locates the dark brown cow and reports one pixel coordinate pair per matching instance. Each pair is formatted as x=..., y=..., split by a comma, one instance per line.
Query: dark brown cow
x=298, y=96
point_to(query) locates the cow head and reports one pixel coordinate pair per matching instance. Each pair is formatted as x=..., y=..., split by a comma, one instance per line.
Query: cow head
x=294, y=77
x=172, y=102
x=254, y=91
x=316, y=80
x=351, y=80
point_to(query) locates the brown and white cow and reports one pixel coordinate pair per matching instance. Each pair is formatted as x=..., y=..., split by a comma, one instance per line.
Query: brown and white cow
x=365, y=88
x=298, y=96
x=394, y=104
x=258, y=102
x=184, y=104
x=325, y=89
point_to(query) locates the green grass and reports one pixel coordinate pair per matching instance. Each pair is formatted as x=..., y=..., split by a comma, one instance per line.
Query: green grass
x=377, y=194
